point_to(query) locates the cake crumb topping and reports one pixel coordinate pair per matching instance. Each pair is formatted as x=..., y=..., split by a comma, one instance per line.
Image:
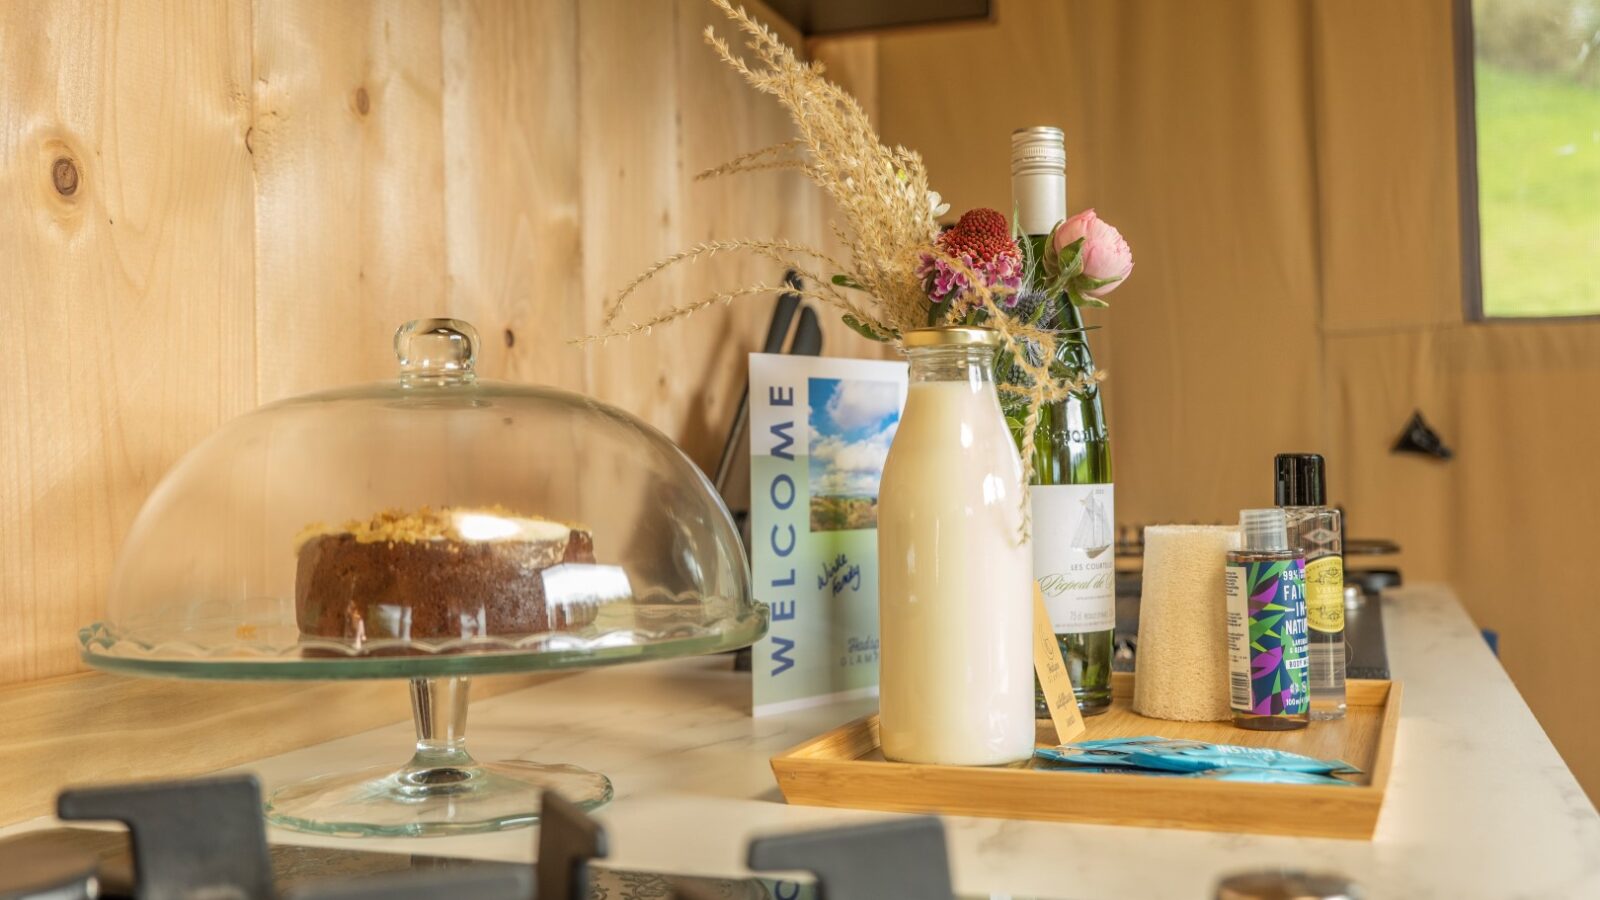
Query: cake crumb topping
x=429, y=524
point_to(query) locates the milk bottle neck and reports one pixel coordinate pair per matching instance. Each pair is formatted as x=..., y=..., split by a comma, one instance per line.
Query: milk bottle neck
x=971, y=364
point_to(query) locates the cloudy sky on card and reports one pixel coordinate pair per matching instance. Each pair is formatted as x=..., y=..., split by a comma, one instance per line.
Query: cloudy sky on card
x=852, y=423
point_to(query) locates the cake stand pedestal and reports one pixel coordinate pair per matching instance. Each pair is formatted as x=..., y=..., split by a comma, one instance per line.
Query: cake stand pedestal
x=441, y=791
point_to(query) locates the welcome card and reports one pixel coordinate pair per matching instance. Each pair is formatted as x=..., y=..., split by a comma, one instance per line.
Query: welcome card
x=820, y=429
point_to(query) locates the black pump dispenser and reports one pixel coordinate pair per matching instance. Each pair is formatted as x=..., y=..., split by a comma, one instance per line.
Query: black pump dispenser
x=1301, y=480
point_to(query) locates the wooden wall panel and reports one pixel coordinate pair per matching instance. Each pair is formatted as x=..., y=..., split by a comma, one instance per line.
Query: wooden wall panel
x=125, y=287
x=348, y=143
x=629, y=144
x=513, y=226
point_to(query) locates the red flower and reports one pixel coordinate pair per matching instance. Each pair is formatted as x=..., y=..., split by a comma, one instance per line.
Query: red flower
x=982, y=234
x=982, y=242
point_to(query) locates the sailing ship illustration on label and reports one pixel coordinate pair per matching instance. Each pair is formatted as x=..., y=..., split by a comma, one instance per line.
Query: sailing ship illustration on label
x=1072, y=541
x=1093, y=534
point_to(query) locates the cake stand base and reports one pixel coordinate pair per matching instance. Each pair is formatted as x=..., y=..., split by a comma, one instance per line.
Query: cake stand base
x=442, y=791
x=380, y=802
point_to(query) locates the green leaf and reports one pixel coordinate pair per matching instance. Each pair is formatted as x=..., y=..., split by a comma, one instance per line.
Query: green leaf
x=1069, y=260
x=865, y=330
x=1081, y=300
x=845, y=281
x=1050, y=263
x=1085, y=283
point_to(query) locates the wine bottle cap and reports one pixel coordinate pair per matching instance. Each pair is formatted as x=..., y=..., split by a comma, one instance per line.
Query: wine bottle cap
x=1301, y=480
x=1264, y=529
x=1038, y=150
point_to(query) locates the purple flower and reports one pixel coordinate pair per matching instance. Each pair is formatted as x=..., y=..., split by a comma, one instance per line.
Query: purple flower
x=945, y=282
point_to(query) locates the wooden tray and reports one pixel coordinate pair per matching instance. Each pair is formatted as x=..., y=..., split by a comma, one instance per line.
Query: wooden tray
x=845, y=768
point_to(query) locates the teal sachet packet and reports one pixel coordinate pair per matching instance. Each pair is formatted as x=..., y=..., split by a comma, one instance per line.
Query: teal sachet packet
x=1176, y=755
x=1270, y=776
x=1086, y=757
x=1078, y=769
x=1255, y=776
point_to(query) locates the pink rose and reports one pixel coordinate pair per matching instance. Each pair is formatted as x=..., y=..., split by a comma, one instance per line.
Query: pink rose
x=1106, y=256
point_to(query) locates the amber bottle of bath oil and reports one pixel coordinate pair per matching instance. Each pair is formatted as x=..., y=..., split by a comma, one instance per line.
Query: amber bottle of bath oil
x=1266, y=616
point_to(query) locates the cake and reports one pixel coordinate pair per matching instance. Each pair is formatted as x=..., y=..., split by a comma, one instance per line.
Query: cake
x=434, y=575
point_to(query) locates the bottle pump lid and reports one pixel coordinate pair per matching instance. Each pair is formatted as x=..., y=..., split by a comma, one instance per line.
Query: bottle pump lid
x=1264, y=529
x=1301, y=480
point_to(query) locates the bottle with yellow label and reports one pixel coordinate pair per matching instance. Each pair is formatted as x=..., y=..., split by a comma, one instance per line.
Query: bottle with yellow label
x=1315, y=529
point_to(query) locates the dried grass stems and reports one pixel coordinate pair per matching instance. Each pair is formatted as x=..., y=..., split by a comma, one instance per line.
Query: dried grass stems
x=889, y=225
x=765, y=159
x=786, y=253
x=881, y=193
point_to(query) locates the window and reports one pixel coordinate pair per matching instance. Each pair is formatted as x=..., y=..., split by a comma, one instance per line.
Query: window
x=1528, y=92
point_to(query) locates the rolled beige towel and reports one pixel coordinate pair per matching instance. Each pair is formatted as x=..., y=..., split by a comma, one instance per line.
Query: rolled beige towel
x=1181, y=669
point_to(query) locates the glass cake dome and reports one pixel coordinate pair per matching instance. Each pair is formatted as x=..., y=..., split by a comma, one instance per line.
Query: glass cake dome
x=435, y=524
x=431, y=527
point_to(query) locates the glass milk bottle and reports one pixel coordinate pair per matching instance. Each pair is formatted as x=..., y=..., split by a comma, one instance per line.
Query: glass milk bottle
x=955, y=589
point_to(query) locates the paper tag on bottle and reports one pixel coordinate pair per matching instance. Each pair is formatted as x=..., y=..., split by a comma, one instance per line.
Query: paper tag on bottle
x=1053, y=675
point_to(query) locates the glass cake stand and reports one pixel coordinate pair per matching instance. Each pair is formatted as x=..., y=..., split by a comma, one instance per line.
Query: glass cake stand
x=442, y=789
x=216, y=581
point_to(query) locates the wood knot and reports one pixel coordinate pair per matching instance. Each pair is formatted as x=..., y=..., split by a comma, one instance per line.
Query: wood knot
x=64, y=173
x=363, y=102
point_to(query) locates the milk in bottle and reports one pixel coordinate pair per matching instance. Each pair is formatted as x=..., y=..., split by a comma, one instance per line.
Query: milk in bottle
x=955, y=588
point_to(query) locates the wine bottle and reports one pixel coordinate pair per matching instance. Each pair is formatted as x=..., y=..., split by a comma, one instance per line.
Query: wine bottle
x=1074, y=545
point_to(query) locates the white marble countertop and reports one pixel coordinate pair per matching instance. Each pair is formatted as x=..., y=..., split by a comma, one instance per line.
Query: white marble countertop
x=1480, y=804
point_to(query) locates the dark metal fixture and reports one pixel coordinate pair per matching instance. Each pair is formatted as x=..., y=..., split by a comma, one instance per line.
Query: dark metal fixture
x=819, y=18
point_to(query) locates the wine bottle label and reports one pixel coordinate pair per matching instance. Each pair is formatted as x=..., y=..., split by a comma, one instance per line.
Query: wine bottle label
x=1267, y=638
x=1074, y=555
x=1325, y=594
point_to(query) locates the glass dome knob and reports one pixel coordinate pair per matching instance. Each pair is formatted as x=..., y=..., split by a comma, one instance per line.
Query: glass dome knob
x=436, y=351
